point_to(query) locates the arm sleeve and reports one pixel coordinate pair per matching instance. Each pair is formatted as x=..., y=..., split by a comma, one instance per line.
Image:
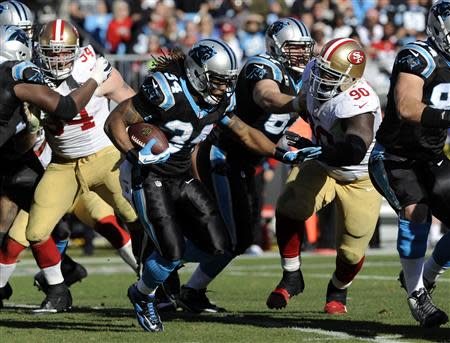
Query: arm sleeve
x=347, y=153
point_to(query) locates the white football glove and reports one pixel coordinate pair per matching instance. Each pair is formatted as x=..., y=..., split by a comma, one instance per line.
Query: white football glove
x=101, y=70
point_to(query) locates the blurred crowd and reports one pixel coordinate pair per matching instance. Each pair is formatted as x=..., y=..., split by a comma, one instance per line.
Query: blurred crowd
x=151, y=27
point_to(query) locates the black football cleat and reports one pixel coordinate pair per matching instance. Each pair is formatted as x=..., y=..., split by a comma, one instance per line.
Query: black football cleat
x=145, y=309
x=429, y=286
x=58, y=299
x=424, y=311
x=291, y=284
x=5, y=293
x=167, y=293
x=336, y=300
x=196, y=301
x=72, y=272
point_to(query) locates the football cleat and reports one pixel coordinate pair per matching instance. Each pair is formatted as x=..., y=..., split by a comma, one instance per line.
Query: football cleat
x=58, y=299
x=291, y=284
x=5, y=293
x=72, y=272
x=424, y=311
x=336, y=300
x=146, y=312
x=196, y=301
x=168, y=292
x=429, y=286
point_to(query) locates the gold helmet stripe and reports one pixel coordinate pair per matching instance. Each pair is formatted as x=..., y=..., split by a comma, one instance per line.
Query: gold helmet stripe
x=333, y=47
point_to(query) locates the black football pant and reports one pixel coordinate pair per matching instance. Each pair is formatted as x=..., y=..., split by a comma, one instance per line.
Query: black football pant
x=172, y=208
x=404, y=182
x=234, y=188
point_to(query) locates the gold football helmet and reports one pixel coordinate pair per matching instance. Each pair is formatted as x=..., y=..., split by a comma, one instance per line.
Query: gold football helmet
x=58, y=47
x=340, y=64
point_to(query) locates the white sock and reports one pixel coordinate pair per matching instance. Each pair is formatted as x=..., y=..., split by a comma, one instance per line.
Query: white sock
x=290, y=264
x=432, y=270
x=413, y=271
x=198, y=280
x=435, y=233
x=6, y=271
x=339, y=284
x=142, y=287
x=53, y=274
x=126, y=252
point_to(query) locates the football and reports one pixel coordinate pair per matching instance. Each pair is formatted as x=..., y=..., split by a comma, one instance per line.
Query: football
x=141, y=133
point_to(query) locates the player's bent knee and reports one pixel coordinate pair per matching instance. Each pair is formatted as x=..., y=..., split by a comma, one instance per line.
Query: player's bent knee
x=412, y=239
x=350, y=255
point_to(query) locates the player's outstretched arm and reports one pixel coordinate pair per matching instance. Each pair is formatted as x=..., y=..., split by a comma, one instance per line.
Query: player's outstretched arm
x=268, y=96
x=56, y=105
x=254, y=139
x=117, y=122
x=115, y=88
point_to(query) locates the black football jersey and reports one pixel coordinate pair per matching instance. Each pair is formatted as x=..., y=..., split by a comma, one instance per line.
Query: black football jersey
x=166, y=100
x=273, y=125
x=13, y=73
x=413, y=140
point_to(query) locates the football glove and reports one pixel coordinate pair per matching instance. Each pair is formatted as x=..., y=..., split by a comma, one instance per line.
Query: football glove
x=101, y=71
x=301, y=155
x=145, y=155
x=296, y=141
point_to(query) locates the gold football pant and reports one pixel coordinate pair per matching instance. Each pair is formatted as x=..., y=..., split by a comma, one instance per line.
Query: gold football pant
x=309, y=188
x=88, y=212
x=63, y=181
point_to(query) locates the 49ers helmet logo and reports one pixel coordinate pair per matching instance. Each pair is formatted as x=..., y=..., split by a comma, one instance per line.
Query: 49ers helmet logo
x=356, y=57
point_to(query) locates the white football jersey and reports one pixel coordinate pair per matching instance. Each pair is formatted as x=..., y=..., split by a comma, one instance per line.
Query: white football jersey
x=42, y=149
x=83, y=135
x=325, y=120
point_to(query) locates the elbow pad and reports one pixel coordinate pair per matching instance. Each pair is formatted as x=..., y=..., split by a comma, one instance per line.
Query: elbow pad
x=66, y=109
x=347, y=153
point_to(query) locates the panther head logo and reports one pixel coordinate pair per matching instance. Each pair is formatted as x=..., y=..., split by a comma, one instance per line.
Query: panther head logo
x=202, y=53
x=2, y=8
x=19, y=36
x=443, y=10
x=276, y=27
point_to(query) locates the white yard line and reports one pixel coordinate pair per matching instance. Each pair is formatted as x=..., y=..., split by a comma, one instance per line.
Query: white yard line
x=337, y=335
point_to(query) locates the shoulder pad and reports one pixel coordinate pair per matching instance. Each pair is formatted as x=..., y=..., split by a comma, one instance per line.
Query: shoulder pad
x=417, y=58
x=27, y=71
x=358, y=99
x=157, y=91
x=270, y=67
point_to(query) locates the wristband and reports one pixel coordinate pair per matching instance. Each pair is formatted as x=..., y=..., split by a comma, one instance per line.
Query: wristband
x=279, y=154
x=435, y=118
x=132, y=156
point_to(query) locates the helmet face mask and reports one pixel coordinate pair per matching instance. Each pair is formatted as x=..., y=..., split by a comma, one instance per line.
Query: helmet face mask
x=211, y=69
x=18, y=14
x=438, y=25
x=58, y=48
x=14, y=44
x=289, y=42
x=340, y=64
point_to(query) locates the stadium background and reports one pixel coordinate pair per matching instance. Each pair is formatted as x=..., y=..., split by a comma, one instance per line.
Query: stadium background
x=131, y=32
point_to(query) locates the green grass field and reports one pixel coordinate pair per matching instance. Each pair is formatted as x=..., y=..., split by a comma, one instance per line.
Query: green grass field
x=102, y=313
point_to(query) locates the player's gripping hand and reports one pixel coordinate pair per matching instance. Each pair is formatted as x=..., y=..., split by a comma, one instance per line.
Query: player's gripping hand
x=296, y=141
x=145, y=155
x=300, y=155
x=101, y=71
x=33, y=123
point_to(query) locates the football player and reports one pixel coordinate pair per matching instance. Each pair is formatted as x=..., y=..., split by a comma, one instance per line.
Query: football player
x=265, y=90
x=23, y=81
x=408, y=165
x=97, y=214
x=344, y=114
x=17, y=13
x=83, y=159
x=184, y=96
